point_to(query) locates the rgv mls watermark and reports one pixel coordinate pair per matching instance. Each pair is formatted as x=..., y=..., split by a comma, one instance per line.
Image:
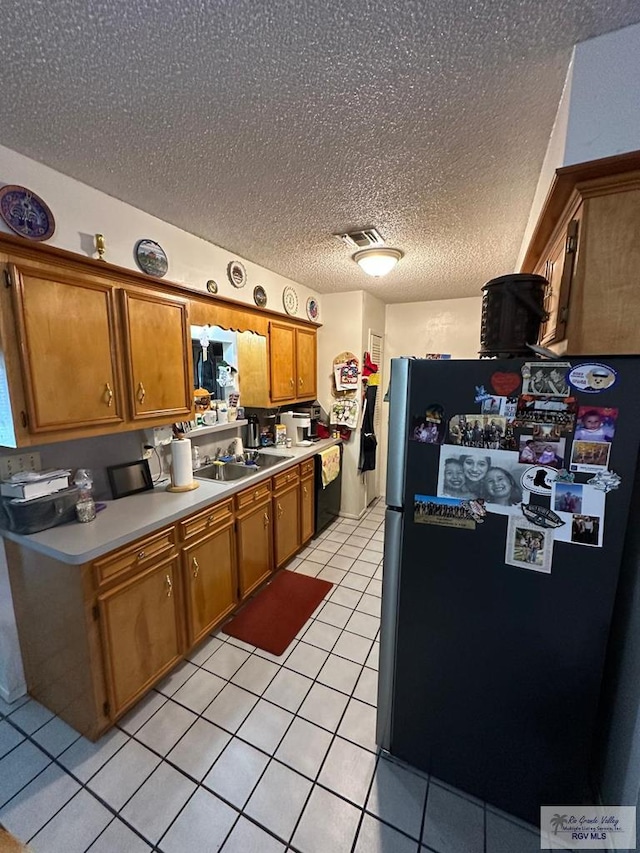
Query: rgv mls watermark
x=588, y=828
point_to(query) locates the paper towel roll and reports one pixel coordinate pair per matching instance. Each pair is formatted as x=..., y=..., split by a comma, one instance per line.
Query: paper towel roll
x=181, y=473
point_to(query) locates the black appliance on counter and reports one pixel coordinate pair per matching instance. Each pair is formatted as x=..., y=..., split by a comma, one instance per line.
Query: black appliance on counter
x=327, y=507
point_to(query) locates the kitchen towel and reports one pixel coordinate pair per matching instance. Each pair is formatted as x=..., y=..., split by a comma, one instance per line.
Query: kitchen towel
x=330, y=459
x=181, y=469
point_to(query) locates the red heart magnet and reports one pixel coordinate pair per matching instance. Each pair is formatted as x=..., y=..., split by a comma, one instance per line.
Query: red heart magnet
x=505, y=384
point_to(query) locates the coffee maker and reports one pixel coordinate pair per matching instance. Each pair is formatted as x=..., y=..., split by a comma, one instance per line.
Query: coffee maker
x=298, y=425
x=314, y=413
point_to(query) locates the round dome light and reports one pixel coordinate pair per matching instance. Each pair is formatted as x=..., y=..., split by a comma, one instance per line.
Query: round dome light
x=377, y=262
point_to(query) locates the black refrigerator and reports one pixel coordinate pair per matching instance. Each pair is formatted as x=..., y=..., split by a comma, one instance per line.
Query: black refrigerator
x=508, y=492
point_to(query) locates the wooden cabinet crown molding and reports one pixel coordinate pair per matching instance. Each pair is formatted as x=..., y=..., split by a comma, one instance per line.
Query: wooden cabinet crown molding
x=604, y=176
x=238, y=315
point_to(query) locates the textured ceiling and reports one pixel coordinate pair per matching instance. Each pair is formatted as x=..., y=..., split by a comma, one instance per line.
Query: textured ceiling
x=265, y=127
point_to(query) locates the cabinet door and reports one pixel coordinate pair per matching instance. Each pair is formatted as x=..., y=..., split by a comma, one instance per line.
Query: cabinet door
x=158, y=347
x=307, y=507
x=282, y=362
x=67, y=349
x=558, y=268
x=140, y=631
x=255, y=547
x=210, y=581
x=286, y=513
x=306, y=363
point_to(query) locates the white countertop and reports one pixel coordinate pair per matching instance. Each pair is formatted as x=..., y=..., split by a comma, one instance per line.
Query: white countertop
x=127, y=519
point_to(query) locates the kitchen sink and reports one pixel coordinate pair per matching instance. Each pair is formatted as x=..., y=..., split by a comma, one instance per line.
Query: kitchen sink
x=264, y=460
x=223, y=472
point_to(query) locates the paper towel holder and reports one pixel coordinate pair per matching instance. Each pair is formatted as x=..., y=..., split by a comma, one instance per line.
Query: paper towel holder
x=129, y=478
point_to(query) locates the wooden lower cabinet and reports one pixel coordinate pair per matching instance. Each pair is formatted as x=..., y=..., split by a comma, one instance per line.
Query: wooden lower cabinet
x=140, y=625
x=307, y=509
x=95, y=637
x=286, y=517
x=255, y=545
x=210, y=585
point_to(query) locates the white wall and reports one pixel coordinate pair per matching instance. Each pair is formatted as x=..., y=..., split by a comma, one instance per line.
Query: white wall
x=342, y=315
x=417, y=328
x=604, y=115
x=81, y=211
x=554, y=158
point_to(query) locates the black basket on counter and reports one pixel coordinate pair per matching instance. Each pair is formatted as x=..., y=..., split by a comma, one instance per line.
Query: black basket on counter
x=512, y=311
x=39, y=513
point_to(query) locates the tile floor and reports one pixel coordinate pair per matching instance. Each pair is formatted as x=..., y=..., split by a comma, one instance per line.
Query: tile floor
x=243, y=752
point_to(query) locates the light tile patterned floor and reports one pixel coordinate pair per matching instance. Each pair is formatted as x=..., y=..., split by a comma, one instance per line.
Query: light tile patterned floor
x=243, y=752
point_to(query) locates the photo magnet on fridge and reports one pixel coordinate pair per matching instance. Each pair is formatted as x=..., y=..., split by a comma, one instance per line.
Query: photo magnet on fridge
x=595, y=424
x=547, y=452
x=447, y=512
x=430, y=427
x=528, y=546
x=546, y=378
x=592, y=378
x=581, y=507
x=539, y=479
x=475, y=473
x=589, y=457
x=533, y=409
x=489, y=431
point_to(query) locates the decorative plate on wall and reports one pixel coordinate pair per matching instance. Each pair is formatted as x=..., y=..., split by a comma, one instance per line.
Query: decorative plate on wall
x=151, y=258
x=237, y=274
x=212, y=286
x=313, y=309
x=260, y=296
x=290, y=300
x=26, y=213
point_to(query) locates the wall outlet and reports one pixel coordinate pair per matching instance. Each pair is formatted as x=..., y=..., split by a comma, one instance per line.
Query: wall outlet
x=17, y=462
x=147, y=452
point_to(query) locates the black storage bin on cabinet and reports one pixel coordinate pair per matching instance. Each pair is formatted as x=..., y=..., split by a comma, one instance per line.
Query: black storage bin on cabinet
x=512, y=310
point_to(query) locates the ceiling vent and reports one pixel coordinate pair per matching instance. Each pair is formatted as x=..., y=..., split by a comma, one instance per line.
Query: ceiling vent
x=365, y=239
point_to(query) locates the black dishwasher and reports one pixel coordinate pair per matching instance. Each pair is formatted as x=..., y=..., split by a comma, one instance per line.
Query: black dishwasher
x=327, y=499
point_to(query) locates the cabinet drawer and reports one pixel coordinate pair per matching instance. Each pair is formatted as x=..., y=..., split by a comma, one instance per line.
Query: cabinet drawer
x=250, y=497
x=137, y=556
x=205, y=521
x=307, y=467
x=286, y=478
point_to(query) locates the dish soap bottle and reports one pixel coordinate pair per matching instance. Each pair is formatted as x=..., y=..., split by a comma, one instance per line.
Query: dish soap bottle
x=85, y=505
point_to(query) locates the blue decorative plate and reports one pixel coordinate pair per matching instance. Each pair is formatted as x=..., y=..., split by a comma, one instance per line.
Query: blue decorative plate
x=313, y=309
x=151, y=258
x=26, y=213
x=260, y=296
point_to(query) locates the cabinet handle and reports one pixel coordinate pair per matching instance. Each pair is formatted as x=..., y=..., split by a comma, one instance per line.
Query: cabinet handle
x=291, y=382
x=255, y=495
x=108, y=393
x=280, y=511
x=301, y=382
x=169, y=586
x=140, y=555
x=210, y=519
x=141, y=392
x=266, y=519
x=304, y=488
x=196, y=568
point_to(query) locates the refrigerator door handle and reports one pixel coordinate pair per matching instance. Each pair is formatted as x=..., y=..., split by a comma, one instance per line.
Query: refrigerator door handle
x=389, y=626
x=397, y=435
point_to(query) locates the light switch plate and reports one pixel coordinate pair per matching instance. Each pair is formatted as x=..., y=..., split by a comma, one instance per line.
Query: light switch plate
x=17, y=462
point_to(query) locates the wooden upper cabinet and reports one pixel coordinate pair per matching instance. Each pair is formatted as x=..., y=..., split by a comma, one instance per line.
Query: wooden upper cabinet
x=67, y=340
x=292, y=357
x=158, y=349
x=586, y=244
x=282, y=358
x=306, y=363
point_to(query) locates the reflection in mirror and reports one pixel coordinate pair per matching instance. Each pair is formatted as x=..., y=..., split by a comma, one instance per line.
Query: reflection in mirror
x=227, y=362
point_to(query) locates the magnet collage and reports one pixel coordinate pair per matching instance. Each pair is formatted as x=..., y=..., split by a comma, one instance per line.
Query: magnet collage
x=535, y=452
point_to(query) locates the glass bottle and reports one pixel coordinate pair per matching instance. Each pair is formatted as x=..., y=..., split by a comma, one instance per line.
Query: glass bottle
x=85, y=505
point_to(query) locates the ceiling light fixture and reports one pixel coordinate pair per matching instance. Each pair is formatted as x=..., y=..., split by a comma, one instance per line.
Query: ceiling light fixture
x=378, y=261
